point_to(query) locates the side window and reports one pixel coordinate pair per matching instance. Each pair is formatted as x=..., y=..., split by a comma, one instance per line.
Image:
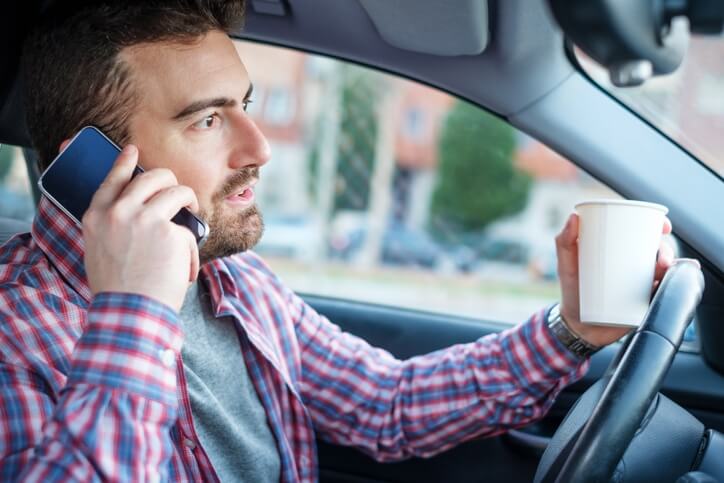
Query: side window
x=16, y=199
x=383, y=190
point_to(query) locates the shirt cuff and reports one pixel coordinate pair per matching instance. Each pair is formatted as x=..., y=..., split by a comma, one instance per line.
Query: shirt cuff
x=537, y=359
x=130, y=343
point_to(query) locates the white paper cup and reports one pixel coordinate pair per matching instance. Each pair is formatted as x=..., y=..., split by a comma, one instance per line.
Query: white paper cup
x=617, y=245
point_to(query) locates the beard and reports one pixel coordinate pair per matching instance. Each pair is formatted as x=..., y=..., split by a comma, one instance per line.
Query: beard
x=231, y=231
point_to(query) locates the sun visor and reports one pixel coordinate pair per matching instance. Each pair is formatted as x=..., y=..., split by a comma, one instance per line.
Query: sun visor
x=438, y=27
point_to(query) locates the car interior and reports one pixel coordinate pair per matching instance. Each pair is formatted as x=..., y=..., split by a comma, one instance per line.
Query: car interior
x=647, y=410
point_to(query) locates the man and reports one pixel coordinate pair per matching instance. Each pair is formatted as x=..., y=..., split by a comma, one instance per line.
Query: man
x=126, y=354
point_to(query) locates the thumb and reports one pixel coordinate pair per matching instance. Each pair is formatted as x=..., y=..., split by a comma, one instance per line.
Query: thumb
x=567, y=239
x=567, y=247
x=195, y=264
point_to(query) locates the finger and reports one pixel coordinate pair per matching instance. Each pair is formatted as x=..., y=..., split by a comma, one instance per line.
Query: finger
x=666, y=253
x=117, y=178
x=664, y=260
x=667, y=226
x=146, y=185
x=195, y=265
x=167, y=202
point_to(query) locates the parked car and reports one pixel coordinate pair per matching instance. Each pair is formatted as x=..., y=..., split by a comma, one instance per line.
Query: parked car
x=464, y=259
x=293, y=237
x=399, y=246
x=347, y=234
x=403, y=246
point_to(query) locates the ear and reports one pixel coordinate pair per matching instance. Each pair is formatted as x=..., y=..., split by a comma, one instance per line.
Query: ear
x=63, y=145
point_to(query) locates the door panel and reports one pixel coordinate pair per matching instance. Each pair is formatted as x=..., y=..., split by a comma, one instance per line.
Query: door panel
x=407, y=333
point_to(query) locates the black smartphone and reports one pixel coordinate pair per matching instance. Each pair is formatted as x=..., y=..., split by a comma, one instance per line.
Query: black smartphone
x=75, y=174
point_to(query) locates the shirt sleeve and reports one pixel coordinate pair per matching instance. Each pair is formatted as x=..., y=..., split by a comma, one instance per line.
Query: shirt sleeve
x=391, y=409
x=112, y=419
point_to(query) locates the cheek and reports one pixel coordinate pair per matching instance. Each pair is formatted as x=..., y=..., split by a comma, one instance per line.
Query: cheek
x=195, y=165
x=203, y=184
x=188, y=173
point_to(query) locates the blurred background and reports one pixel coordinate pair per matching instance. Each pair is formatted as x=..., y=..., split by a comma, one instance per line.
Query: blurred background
x=385, y=190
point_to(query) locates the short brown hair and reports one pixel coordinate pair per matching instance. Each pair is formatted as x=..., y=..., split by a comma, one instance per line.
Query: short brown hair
x=72, y=71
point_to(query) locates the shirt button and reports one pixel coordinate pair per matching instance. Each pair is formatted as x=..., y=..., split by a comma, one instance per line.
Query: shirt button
x=189, y=443
x=167, y=356
x=304, y=460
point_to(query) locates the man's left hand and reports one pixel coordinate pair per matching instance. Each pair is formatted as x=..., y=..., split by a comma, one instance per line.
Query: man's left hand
x=567, y=250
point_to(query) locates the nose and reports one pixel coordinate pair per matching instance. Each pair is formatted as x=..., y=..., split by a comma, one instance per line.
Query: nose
x=251, y=146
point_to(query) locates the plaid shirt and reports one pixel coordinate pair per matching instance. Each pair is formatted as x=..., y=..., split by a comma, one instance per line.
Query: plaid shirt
x=92, y=387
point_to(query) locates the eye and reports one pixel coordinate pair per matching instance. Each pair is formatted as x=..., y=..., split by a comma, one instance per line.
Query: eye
x=246, y=102
x=207, y=122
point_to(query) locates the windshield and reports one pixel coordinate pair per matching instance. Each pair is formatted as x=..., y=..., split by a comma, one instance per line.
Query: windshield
x=687, y=105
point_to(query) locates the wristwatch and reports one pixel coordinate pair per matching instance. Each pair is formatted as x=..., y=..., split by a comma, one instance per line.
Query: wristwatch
x=559, y=328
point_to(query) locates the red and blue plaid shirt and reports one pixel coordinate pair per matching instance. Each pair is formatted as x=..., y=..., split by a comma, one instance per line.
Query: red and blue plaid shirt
x=92, y=387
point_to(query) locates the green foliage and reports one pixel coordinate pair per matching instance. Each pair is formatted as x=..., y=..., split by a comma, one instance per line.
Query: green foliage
x=477, y=182
x=6, y=161
x=357, y=139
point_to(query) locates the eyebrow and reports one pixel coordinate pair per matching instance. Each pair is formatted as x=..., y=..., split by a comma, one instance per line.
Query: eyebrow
x=202, y=104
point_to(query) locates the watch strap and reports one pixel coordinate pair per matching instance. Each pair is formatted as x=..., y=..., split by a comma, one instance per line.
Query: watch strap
x=560, y=330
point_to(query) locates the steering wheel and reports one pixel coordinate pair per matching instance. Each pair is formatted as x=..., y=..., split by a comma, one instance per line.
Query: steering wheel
x=622, y=429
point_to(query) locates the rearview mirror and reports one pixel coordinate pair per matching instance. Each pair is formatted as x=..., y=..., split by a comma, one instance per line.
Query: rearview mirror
x=637, y=39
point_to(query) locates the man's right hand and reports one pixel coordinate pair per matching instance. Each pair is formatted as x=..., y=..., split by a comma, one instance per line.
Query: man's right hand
x=131, y=244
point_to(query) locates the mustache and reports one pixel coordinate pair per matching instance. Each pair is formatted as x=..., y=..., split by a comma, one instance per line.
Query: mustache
x=237, y=180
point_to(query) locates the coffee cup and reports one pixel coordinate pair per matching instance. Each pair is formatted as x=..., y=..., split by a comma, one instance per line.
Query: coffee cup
x=617, y=245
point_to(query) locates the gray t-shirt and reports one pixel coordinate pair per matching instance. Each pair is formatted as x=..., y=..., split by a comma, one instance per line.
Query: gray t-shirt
x=228, y=416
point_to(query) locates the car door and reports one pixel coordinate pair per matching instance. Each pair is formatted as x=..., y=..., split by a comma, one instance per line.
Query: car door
x=433, y=225
x=511, y=457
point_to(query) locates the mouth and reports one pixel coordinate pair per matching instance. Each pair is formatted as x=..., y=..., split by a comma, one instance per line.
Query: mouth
x=243, y=195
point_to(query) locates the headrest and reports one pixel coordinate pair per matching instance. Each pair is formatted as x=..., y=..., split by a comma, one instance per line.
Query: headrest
x=15, y=23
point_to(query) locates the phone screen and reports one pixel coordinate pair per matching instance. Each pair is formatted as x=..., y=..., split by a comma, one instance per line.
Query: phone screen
x=73, y=177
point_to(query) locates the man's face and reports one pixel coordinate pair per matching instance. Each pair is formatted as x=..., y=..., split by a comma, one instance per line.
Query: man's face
x=191, y=119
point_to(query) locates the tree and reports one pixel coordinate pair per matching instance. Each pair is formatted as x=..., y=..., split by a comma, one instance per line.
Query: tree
x=477, y=182
x=357, y=138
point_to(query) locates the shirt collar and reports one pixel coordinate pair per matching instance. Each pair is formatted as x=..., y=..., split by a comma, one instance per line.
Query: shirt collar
x=61, y=239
